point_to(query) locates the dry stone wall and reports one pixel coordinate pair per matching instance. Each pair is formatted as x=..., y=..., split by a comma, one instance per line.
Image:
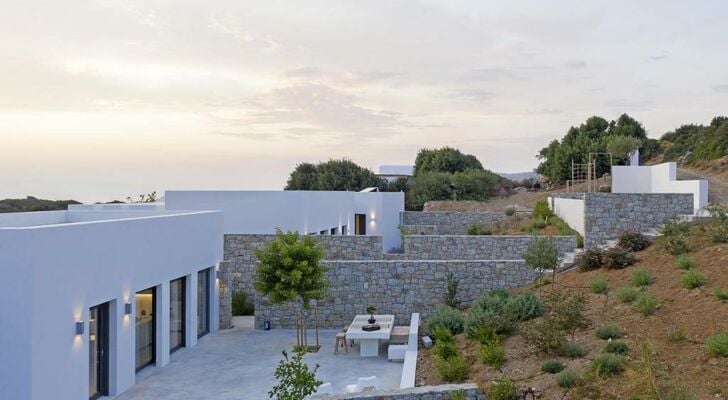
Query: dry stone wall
x=464, y=247
x=440, y=392
x=450, y=223
x=399, y=287
x=606, y=215
x=240, y=253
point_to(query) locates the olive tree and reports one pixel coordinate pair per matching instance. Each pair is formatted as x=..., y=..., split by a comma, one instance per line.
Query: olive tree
x=542, y=255
x=295, y=380
x=289, y=270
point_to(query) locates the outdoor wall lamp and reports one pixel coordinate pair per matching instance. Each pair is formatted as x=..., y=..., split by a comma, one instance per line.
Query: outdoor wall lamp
x=127, y=308
x=80, y=327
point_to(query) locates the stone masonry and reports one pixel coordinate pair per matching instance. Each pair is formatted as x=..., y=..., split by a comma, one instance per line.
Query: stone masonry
x=240, y=253
x=463, y=247
x=450, y=223
x=606, y=215
x=398, y=287
x=440, y=392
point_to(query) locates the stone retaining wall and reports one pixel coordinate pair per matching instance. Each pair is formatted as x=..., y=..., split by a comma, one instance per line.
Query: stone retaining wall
x=440, y=392
x=240, y=253
x=606, y=215
x=451, y=223
x=419, y=229
x=399, y=287
x=476, y=247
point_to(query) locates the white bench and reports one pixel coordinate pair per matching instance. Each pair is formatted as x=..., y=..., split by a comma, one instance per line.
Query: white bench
x=397, y=352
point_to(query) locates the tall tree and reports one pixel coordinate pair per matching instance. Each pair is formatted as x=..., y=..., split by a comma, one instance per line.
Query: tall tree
x=340, y=174
x=446, y=159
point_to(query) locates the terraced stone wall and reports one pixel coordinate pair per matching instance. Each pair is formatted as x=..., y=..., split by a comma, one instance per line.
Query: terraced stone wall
x=465, y=247
x=399, y=287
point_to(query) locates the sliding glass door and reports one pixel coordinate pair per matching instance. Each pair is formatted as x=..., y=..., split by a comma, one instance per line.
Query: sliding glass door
x=176, y=314
x=98, y=351
x=146, y=321
x=203, y=302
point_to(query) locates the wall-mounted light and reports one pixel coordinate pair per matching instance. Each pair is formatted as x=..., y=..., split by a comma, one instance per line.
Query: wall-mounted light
x=127, y=308
x=80, y=325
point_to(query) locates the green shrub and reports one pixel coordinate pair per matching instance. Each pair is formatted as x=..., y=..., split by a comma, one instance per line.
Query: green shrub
x=633, y=241
x=566, y=379
x=676, y=335
x=627, y=294
x=599, y=285
x=591, y=259
x=568, y=309
x=446, y=350
x=451, y=292
x=538, y=223
x=526, y=306
x=484, y=334
x=241, y=305
x=544, y=336
x=572, y=350
x=718, y=228
x=442, y=334
x=674, y=227
x=510, y=211
x=692, y=279
x=552, y=366
x=446, y=317
x=608, y=364
x=453, y=369
x=609, y=331
x=721, y=294
x=618, y=258
x=457, y=395
x=676, y=245
x=717, y=344
x=479, y=229
x=492, y=354
x=684, y=262
x=647, y=304
x=503, y=389
x=491, y=310
x=641, y=277
x=541, y=210
x=617, y=347
x=565, y=230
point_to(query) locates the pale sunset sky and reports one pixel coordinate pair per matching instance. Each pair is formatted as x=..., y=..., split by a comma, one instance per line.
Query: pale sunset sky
x=104, y=99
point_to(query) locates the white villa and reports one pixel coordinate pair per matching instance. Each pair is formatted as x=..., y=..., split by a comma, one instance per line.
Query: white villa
x=95, y=295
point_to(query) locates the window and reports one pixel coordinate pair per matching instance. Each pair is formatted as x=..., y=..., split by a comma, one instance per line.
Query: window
x=203, y=302
x=360, y=224
x=146, y=330
x=334, y=231
x=98, y=351
x=323, y=232
x=176, y=314
x=343, y=230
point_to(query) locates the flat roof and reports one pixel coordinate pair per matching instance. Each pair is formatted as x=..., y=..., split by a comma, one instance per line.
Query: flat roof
x=41, y=219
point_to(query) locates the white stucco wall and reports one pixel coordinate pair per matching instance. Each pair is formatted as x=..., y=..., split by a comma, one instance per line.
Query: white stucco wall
x=661, y=178
x=261, y=212
x=571, y=211
x=53, y=274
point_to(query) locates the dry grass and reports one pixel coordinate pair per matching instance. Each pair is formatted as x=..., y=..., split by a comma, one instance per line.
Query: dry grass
x=656, y=364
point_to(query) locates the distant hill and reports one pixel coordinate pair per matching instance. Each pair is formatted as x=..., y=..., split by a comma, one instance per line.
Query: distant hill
x=517, y=176
x=31, y=203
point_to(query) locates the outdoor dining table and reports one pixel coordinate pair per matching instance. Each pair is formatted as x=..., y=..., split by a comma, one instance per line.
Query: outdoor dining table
x=369, y=341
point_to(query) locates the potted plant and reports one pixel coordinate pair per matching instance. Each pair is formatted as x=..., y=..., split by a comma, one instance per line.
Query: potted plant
x=371, y=310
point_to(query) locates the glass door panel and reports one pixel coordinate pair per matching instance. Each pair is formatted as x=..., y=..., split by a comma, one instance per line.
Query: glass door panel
x=146, y=322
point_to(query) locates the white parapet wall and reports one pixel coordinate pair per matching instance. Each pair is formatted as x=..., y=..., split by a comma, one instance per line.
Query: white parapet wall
x=571, y=211
x=57, y=265
x=660, y=178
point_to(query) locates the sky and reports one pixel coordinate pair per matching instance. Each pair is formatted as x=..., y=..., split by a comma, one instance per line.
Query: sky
x=104, y=99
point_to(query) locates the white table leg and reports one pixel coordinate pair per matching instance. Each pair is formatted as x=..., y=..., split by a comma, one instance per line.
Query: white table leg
x=369, y=347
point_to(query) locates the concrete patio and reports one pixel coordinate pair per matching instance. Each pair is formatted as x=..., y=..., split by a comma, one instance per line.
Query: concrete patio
x=239, y=364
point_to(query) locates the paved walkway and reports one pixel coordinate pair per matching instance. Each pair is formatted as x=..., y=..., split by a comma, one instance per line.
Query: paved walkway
x=239, y=364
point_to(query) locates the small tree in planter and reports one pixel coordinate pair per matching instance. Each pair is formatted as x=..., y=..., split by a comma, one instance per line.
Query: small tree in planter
x=541, y=255
x=295, y=381
x=289, y=270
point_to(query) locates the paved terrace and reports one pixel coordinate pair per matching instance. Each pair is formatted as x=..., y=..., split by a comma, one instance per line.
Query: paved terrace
x=239, y=364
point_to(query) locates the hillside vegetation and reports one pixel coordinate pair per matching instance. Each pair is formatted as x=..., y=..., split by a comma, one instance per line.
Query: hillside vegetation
x=33, y=204
x=648, y=324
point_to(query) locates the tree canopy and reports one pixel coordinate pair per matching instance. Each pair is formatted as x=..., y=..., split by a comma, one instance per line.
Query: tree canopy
x=340, y=174
x=592, y=136
x=697, y=142
x=446, y=159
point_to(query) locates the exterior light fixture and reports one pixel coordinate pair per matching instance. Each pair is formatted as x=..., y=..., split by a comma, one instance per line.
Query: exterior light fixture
x=80, y=327
x=127, y=308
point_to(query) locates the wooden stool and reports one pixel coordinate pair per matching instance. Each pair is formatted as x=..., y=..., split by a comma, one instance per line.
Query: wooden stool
x=340, y=338
x=344, y=329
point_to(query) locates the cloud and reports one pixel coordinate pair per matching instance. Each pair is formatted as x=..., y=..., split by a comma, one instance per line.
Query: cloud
x=576, y=65
x=721, y=88
x=658, y=57
x=336, y=78
x=312, y=109
x=491, y=74
x=473, y=94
